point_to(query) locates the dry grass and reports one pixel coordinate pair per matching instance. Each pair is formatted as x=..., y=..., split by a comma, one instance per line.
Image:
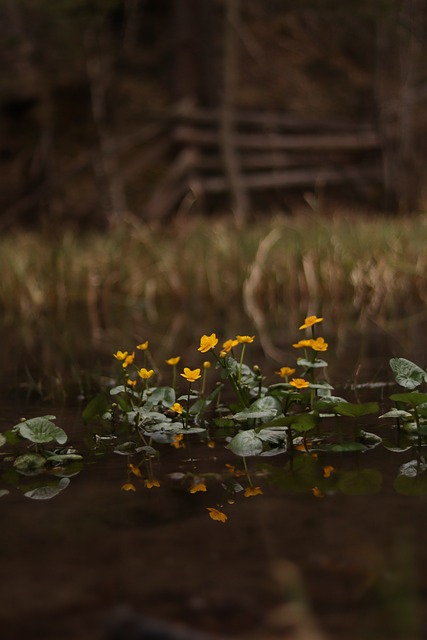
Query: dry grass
x=372, y=264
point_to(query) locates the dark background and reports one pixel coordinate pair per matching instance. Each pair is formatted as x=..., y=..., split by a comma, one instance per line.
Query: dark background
x=94, y=93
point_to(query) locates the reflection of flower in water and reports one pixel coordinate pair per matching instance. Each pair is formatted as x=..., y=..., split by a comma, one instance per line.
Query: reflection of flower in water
x=135, y=470
x=128, y=486
x=327, y=471
x=177, y=442
x=252, y=491
x=317, y=493
x=151, y=482
x=198, y=486
x=217, y=515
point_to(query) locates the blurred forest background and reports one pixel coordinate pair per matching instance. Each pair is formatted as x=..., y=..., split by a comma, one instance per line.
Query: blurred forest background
x=111, y=109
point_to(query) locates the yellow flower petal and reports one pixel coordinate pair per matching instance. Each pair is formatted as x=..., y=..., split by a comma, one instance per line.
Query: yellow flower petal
x=143, y=346
x=191, y=375
x=145, y=374
x=173, y=361
x=302, y=343
x=310, y=321
x=319, y=344
x=284, y=372
x=208, y=342
x=229, y=344
x=247, y=339
x=299, y=383
x=120, y=355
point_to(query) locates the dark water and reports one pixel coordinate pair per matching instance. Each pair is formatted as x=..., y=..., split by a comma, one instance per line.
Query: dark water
x=286, y=564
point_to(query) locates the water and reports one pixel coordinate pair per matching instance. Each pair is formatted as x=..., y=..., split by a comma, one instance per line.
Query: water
x=285, y=564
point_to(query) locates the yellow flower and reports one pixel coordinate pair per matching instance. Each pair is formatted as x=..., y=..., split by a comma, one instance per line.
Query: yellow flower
x=191, y=375
x=302, y=343
x=178, y=408
x=120, y=355
x=173, y=361
x=207, y=343
x=247, y=339
x=144, y=373
x=135, y=470
x=317, y=493
x=143, y=346
x=206, y=364
x=128, y=486
x=198, y=486
x=152, y=482
x=236, y=472
x=229, y=344
x=285, y=372
x=177, y=442
x=328, y=471
x=131, y=383
x=211, y=444
x=222, y=353
x=310, y=321
x=299, y=383
x=252, y=491
x=217, y=515
x=128, y=360
x=319, y=344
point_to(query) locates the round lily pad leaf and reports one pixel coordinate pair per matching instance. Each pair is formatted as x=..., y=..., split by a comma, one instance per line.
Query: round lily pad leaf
x=407, y=374
x=41, y=430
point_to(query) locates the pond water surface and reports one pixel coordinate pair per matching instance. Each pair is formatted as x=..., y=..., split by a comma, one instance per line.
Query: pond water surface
x=285, y=564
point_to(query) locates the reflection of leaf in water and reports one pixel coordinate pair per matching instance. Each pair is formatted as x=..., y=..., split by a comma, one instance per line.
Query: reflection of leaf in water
x=298, y=475
x=47, y=492
x=29, y=463
x=360, y=482
x=4, y=492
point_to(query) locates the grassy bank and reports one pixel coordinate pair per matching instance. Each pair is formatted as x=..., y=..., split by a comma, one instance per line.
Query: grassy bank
x=68, y=301
x=372, y=264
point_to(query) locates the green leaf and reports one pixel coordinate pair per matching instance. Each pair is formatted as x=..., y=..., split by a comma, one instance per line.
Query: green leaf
x=41, y=431
x=161, y=395
x=406, y=373
x=400, y=414
x=356, y=410
x=413, y=398
x=263, y=408
x=309, y=364
x=361, y=482
x=299, y=422
x=246, y=443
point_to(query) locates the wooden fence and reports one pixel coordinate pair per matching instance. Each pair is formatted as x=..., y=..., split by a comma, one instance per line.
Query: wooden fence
x=269, y=152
